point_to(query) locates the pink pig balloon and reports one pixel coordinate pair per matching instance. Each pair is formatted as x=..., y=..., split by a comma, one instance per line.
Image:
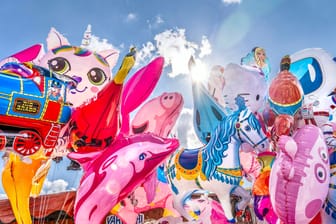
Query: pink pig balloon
x=158, y=115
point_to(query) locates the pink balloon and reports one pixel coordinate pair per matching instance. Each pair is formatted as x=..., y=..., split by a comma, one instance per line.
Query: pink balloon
x=158, y=115
x=138, y=88
x=29, y=54
x=300, y=175
x=109, y=176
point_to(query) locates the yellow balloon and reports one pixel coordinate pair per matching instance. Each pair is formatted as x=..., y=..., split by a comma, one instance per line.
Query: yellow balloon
x=17, y=180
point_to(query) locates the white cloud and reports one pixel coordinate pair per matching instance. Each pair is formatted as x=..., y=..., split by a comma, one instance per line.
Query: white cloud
x=231, y=1
x=156, y=22
x=184, y=130
x=97, y=44
x=145, y=53
x=171, y=44
x=3, y=196
x=205, y=47
x=176, y=49
x=131, y=17
x=55, y=186
x=158, y=19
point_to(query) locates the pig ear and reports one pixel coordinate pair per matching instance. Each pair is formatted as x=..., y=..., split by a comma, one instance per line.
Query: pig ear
x=111, y=56
x=55, y=39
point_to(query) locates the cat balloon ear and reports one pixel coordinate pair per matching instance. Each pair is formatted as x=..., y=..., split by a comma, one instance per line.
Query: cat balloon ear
x=111, y=56
x=55, y=39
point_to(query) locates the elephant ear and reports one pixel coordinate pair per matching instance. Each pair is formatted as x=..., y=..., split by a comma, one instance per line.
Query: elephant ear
x=55, y=39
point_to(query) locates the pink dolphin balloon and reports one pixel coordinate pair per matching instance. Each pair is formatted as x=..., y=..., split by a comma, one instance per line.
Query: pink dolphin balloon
x=300, y=175
x=111, y=175
x=156, y=116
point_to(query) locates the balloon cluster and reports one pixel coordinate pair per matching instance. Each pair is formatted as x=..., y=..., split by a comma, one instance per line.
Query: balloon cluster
x=67, y=103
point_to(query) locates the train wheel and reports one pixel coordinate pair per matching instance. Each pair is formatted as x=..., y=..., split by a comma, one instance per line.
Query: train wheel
x=3, y=141
x=27, y=145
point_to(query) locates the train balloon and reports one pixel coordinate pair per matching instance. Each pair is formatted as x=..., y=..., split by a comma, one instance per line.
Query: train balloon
x=33, y=107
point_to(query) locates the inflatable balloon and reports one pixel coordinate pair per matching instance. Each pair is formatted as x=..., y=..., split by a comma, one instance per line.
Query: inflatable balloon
x=91, y=70
x=31, y=119
x=138, y=88
x=258, y=61
x=216, y=83
x=45, y=99
x=30, y=54
x=312, y=67
x=300, y=175
x=328, y=212
x=224, y=85
x=215, y=167
x=260, y=190
x=329, y=207
x=156, y=116
x=240, y=81
x=22, y=179
x=205, y=209
x=207, y=112
x=95, y=124
x=112, y=174
x=248, y=160
x=285, y=94
x=283, y=125
x=30, y=116
x=135, y=205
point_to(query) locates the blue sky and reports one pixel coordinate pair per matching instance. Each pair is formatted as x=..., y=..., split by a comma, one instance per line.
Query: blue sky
x=214, y=31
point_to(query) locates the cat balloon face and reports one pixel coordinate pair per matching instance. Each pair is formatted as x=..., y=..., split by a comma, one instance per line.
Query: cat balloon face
x=91, y=70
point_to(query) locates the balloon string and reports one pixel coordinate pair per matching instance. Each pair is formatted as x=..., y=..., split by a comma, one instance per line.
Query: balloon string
x=63, y=209
x=44, y=205
x=64, y=203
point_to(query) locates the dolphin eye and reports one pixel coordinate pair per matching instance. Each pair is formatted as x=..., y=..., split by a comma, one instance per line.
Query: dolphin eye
x=247, y=128
x=59, y=65
x=142, y=156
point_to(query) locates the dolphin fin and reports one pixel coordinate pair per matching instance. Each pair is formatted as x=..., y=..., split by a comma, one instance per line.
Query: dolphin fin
x=150, y=186
x=84, y=159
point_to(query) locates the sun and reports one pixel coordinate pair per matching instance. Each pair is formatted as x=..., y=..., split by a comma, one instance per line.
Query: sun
x=200, y=71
